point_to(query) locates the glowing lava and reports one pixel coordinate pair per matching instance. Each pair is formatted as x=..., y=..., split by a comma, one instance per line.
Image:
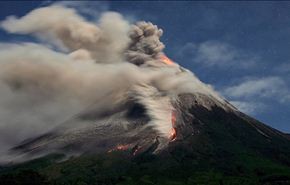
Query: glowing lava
x=166, y=60
x=119, y=147
x=172, y=135
x=173, y=130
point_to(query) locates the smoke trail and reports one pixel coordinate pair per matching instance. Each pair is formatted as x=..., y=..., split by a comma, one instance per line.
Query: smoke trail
x=158, y=107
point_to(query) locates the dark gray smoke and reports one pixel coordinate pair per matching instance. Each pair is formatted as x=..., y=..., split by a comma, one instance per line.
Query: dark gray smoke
x=145, y=44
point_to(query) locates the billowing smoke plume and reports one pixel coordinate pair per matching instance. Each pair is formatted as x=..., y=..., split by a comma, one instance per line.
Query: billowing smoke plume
x=105, y=42
x=96, y=67
x=145, y=44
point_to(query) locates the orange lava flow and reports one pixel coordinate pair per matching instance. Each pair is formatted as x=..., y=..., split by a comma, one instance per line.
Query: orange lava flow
x=173, y=130
x=122, y=147
x=166, y=60
x=119, y=147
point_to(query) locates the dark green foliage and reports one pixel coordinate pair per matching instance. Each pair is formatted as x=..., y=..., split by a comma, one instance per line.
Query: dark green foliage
x=25, y=177
x=117, y=168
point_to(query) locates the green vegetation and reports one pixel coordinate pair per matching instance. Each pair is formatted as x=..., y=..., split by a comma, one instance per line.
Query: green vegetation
x=118, y=168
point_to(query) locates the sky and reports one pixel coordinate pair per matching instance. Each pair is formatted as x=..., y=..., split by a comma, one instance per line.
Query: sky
x=240, y=48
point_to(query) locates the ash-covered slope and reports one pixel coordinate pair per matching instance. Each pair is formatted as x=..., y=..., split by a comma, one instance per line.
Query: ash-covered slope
x=214, y=143
x=228, y=133
x=127, y=128
x=203, y=125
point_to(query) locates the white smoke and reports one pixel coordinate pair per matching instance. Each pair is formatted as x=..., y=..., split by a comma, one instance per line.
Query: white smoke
x=158, y=107
x=41, y=87
x=63, y=27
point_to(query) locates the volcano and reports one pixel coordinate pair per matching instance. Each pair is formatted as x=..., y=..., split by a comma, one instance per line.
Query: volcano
x=135, y=116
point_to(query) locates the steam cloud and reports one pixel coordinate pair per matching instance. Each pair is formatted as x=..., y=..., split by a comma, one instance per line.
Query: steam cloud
x=96, y=65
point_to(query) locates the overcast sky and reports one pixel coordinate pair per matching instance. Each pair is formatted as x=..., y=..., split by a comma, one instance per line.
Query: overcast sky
x=240, y=48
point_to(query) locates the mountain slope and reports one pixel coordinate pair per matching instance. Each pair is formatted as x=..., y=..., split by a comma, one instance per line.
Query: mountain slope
x=215, y=143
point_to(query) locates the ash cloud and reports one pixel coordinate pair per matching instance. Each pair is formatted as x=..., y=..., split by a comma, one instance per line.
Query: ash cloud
x=63, y=27
x=41, y=88
x=145, y=44
x=97, y=66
